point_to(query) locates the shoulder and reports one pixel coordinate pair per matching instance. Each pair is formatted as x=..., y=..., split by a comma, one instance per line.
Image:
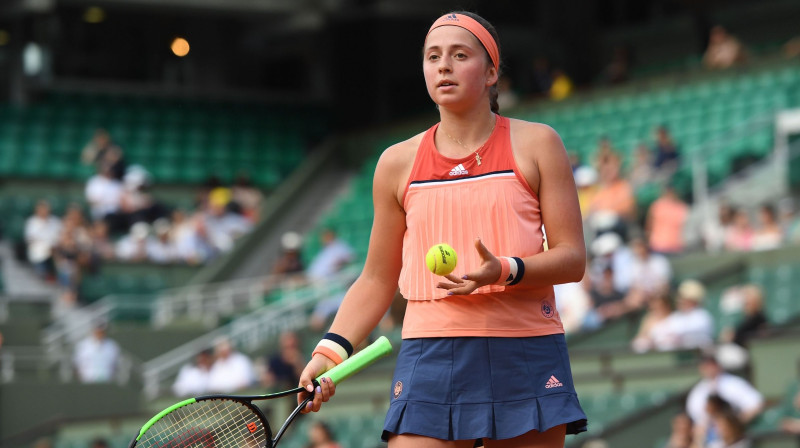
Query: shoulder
x=534, y=133
x=400, y=154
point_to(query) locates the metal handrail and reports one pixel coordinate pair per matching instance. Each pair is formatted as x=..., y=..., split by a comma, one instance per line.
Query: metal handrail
x=15, y=361
x=248, y=332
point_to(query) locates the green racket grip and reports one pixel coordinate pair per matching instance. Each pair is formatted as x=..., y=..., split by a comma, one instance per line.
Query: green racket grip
x=360, y=360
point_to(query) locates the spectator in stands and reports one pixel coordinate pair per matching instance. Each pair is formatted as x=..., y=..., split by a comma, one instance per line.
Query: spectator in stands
x=607, y=300
x=724, y=50
x=665, y=223
x=102, y=246
x=681, y=435
x=96, y=357
x=709, y=435
x=321, y=436
x=654, y=332
x=102, y=151
x=42, y=231
x=769, y=234
x=650, y=274
x=247, y=197
x=192, y=248
x=289, y=263
x=573, y=304
x=136, y=202
x=334, y=256
x=615, y=194
x=162, y=249
x=231, y=370
x=739, y=234
x=754, y=320
x=744, y=399
x=732, y=431
x=562, y=85
x=790, y=407
x=667, y=157
x=193, y=379
x=586, y=183
x=715, y=231
x=284, y=368
x=791, y=49
x=133, y=246
x=618, y=69
x=220, y=226
x=642, y=169
x=99, y=443
x=690, y=325
x=104, y=193
x=67, y=259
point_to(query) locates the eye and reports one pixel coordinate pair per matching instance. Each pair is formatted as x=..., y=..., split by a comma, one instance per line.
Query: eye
x=433, y=57
x=460, y=56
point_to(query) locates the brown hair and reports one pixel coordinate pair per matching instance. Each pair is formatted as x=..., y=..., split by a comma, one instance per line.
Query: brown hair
x=493, y=104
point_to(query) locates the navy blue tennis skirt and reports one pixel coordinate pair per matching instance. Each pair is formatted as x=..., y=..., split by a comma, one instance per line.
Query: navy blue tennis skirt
x=482, y=387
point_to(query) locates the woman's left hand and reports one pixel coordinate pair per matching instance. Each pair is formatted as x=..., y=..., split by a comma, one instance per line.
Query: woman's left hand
x=487, y=274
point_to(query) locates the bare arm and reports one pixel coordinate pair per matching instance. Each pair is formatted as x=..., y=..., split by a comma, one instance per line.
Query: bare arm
x=370, y=296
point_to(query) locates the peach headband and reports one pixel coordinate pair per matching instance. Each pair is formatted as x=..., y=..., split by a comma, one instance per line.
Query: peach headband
x=471, y=25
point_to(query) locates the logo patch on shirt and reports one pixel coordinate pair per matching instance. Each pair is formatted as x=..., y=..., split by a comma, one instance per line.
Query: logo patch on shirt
x=547, y=309
x=553, y=382
x=458, y=170
x=398, y=389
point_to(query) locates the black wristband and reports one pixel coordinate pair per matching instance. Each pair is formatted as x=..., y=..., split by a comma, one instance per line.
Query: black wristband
x=520, y=271
x=346, y=345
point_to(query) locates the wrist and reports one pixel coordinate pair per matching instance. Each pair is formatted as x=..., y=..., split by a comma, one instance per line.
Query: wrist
x=512, y=269
x=334, y=347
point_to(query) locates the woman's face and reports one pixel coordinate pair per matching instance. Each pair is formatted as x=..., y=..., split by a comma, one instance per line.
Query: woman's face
x=457, y=71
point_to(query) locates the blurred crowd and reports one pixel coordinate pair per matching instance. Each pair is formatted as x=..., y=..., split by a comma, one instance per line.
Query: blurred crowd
x=126, y=222
x=226, y=370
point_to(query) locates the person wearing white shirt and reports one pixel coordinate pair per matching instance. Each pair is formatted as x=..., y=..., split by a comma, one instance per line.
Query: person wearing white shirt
x=333, y=257
x=104, y=194
x=96, y=357
x=231, y=370
x=690, y=325
x=746, y=401
x=42, y=231
x=193, y=379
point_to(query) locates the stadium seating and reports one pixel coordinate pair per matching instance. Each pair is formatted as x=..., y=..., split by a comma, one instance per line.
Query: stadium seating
x=180, y=141
x=695, y=112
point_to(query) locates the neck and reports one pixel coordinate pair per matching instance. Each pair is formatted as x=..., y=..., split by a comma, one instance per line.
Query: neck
x=472, y=127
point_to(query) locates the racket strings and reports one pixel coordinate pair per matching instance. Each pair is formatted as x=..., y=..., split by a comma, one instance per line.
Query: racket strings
x=207, y=424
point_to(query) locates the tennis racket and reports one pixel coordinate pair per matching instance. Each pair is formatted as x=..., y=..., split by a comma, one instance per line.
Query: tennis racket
x=229, y=421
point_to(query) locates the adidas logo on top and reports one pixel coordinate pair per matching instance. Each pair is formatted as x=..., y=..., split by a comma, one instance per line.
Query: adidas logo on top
x=552, y=382
x=458, y=170
x=452, y=17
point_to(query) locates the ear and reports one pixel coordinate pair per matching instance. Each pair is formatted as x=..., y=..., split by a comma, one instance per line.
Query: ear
x=491, y=76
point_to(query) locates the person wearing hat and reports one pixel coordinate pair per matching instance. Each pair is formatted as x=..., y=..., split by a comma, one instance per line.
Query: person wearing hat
x=691, y=325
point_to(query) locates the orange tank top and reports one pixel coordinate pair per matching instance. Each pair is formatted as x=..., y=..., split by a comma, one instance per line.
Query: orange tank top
x=454, y=201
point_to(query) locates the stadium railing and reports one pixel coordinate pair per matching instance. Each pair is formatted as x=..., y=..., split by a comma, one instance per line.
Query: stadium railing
x=248, y=332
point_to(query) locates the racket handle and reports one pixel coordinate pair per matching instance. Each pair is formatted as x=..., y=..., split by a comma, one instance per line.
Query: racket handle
x=355, y=363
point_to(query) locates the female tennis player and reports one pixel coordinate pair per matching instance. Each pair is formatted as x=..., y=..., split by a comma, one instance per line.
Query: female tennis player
x=483, y=353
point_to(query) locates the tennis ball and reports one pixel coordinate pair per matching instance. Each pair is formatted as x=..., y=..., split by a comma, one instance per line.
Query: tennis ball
x=441, y=259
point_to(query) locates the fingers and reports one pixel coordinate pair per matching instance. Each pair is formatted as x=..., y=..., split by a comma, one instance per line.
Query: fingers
x=325, y=389
x=482, y=250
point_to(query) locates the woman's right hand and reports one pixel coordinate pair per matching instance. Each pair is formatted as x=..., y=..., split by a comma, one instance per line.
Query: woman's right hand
x=318, y=365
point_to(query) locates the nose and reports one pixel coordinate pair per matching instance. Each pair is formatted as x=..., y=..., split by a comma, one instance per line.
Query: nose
x=444, y=65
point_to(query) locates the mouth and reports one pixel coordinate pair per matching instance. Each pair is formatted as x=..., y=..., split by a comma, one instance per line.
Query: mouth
x=446, y=83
